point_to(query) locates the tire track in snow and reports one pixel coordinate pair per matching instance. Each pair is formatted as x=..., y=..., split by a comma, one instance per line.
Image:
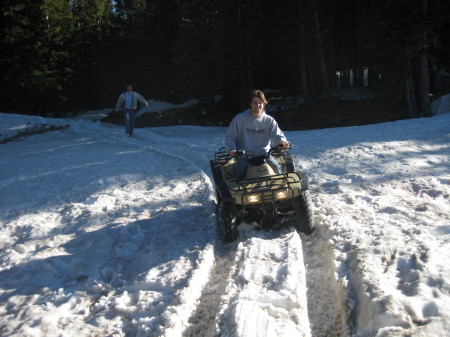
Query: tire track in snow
x=220, y=297
x=187, y=314
x=266, y=291
x=328, y=305
x=329, y=301
x=327, y=309
x=203, y=322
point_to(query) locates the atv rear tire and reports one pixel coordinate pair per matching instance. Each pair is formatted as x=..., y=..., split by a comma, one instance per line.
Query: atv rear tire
x=227, y=222
x=303, y=213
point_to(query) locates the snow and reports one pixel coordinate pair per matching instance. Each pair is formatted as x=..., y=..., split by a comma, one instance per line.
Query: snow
x=441, y=105
x=107, y=235
x=157, y=106
x=153, y=107
x=92, y=115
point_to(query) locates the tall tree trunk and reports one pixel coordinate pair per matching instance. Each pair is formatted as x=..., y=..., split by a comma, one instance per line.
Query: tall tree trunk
x=424, y=78
x=410, y=97
x=361, y=76
x=424, y=83
x=321, y=53
x=311, y=80
x=244, y=54
x=371, y=76
x=330, y=51
x=248, y=57
x=346, y=78
x=304, y=74
x=303, y=56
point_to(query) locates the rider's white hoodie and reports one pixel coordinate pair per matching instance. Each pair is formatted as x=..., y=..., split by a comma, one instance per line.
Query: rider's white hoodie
x=255, y=135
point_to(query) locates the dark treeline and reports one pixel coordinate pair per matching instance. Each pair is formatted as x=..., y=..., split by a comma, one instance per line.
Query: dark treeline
x=69, y=55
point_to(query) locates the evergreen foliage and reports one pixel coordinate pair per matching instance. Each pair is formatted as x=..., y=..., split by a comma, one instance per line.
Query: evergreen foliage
x=68, y=55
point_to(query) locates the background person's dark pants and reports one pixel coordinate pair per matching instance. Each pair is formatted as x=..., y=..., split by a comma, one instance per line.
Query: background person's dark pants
x=128, y=117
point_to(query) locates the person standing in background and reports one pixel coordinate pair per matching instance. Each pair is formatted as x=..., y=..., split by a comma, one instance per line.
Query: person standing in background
x=128, y=102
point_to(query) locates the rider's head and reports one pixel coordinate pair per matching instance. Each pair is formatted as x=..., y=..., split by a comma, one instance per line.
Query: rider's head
x=259, y=94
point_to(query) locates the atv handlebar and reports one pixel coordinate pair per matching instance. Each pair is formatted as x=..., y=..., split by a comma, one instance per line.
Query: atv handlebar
x=239, y=153
x=278, y=148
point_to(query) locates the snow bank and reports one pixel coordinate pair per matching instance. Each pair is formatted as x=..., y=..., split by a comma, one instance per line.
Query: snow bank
x=157, y=106
x=441, y=105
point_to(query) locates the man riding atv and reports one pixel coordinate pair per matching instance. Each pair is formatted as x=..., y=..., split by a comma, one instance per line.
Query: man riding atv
x=255, y=181
x=254, y=131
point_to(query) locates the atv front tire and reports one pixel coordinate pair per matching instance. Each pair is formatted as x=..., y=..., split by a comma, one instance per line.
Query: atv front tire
x=227, y=222
x=303, y=213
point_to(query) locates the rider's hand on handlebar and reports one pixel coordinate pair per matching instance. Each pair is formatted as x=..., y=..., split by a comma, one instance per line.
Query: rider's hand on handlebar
x=285, y=145
x=232, y=153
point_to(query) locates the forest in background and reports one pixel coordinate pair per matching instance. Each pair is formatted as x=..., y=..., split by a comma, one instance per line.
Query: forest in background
x=59, y=56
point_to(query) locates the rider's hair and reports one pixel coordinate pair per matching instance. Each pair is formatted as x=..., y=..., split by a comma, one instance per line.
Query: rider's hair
x=259, y=94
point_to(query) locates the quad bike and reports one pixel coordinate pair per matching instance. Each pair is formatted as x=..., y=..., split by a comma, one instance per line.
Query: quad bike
x=262, y=196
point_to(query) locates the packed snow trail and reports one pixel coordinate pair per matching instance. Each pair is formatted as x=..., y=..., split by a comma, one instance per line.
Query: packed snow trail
x=215, y=296
x=266, y=293
x=101, y=234
x=330, y=317
x=122, y=242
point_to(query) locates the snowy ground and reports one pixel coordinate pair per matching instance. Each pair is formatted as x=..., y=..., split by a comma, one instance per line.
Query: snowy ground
x=104, y=235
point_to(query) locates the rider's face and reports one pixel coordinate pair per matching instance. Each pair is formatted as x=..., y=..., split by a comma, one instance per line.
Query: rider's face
x=257, y=106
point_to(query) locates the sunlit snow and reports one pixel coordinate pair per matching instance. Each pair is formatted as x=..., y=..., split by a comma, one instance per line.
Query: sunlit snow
x=105, y=235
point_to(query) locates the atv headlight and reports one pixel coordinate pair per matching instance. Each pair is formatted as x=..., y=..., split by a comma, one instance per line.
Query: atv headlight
x=282, y=194
x=253, y=198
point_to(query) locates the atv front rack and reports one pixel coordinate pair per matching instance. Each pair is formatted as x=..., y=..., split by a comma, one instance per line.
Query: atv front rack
x=265, y=190
x=264, y=183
